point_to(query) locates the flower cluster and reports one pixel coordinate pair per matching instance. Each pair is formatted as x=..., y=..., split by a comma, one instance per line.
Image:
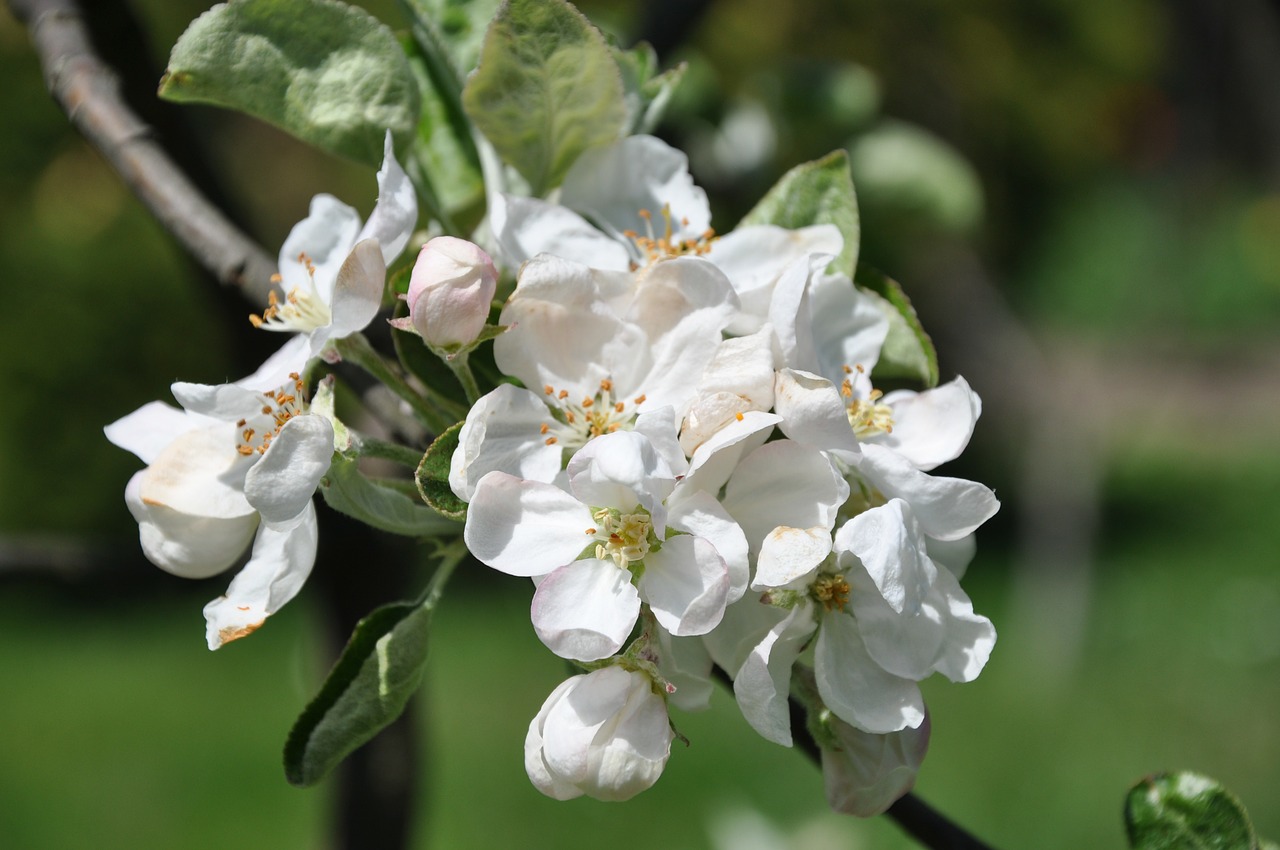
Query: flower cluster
x=693, y=465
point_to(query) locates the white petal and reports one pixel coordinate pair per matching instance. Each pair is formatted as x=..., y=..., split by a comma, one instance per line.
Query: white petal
x=187, y=545
x=534, y=764
x=200, y=474
x=150, y=428
x=857, y=689
x=887, y=542
x=789, y=313
x=628, y=755
x=585, y=610
x=701, y=514
x=755, y=256
x=502, y=433
x=864, y=774
x=784, y=483
x=686, y=665
x=955, y=555
x=279, y=368
x=325, y=238
x=622, y=470
x=715, y=459
x=357, y=292
x=946, y=508
x=283, y=481
x=396, y=213
x=686, y=584
x=525, y=528
x=613, y=183
x=849, y=328
x=763, y=685
x=283, y=555
x=532, y=227
x=658, y=425
x=813, y=413
x=932, y=427
x=227, y=402
x=788, y=555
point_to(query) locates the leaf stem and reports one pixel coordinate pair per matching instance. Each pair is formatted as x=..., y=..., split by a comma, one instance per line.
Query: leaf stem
x=450, y=555
x=357, y=349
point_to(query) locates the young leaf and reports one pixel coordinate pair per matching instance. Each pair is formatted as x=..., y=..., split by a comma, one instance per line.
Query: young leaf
x=347, y=491
x=328, y=73
x=1185, y=810
x=646, y=91
x=378, y=671
x=908, y=351
x=452, y=30
x=547, y=88
x=433, y=476
x=442, y=145
x=818, y=192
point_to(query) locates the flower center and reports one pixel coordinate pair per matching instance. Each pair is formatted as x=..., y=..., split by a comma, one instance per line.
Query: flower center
x=576, y=422
x=867, y=416
x=301, y=311
x=832, y=591
x=654, y=248
x=278, y=407
x=623, y=538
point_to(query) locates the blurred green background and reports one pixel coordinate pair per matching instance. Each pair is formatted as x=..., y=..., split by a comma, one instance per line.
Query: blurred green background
x=1083, y=198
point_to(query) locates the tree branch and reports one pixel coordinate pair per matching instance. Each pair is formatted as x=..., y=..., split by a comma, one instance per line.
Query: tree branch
x=89, y=92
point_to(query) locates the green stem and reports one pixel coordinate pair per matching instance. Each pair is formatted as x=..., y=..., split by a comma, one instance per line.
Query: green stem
x=465, y=377
x=374, y=447
x=358, y=350
x=450, y=555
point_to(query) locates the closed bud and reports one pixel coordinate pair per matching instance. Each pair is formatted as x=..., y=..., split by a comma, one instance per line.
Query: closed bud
x=450, y=291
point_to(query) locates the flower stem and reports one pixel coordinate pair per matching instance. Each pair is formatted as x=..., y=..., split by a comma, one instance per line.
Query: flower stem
x=357, y=349
x=465, y=377
x=449, y=555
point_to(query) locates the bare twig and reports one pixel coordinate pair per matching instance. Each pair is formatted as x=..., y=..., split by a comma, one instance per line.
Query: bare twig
x=89, y=91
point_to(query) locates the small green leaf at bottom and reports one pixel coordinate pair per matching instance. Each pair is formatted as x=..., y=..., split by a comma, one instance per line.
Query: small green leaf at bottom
x=378, y=671
x=1186, y=811
x=433, y=475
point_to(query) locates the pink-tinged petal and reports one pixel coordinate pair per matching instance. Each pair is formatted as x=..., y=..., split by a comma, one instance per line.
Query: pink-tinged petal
x=622, y=470
x=585, y=610
x=502, y=433
x=187, y=545
x=857, y=689
x=686, y=584
x=763, y=684
x=357, y=292
x=888, y=544
x=813, y=413
x=946, y=508
x=849, y=328
x=200, y=474
x=525, y=528
x=699, y=513
x=613, y=183
x=531, y=227
x=864, y=774
x=715, y=459
x=932, y=427
x=396, y=212
x=322, y=240
x=150, y=428
x=562, y=329
x=784, y=483
x=280, y=485
x=754, y=257
x=283, y=555
x=789, y=555
x=534, y=764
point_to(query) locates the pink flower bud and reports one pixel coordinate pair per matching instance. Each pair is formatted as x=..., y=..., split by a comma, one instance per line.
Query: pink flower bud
x=450, y=291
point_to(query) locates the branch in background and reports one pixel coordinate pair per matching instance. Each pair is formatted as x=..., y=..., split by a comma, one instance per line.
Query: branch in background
x=89, y=92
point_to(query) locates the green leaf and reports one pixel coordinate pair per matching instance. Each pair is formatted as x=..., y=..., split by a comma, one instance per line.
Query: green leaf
x=1186, y=811
x=328, y=73
x=818, y=192
x=433, y=475
x=369, y=686
x=346, y=490
x=908, y=351
x=442, y=146
x=452, y=30
x=547, y=88
x=647, y=92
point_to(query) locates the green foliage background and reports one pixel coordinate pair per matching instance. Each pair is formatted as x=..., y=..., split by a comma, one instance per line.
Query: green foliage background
x=1114, y=229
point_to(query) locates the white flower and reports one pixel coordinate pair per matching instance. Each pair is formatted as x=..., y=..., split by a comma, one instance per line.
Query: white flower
x=450, y=291
x=604, y=734
x=591, y=544
x=864, y=774
x=237, y=464
x=333, y=269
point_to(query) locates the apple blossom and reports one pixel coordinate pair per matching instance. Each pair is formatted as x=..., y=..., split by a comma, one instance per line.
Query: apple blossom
x=450, y=290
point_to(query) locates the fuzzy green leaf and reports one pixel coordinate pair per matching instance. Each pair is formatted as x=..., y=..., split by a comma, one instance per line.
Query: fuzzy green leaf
x=378, y=671
x=328, y=73
x=818, y=192
x=433, y=475
x=346, y=490
x=547, y=88
x=646, y=91
x=908, y=351
x=1186, y=811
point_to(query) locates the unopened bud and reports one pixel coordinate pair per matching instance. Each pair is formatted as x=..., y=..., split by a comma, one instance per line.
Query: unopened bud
x=450, y=291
